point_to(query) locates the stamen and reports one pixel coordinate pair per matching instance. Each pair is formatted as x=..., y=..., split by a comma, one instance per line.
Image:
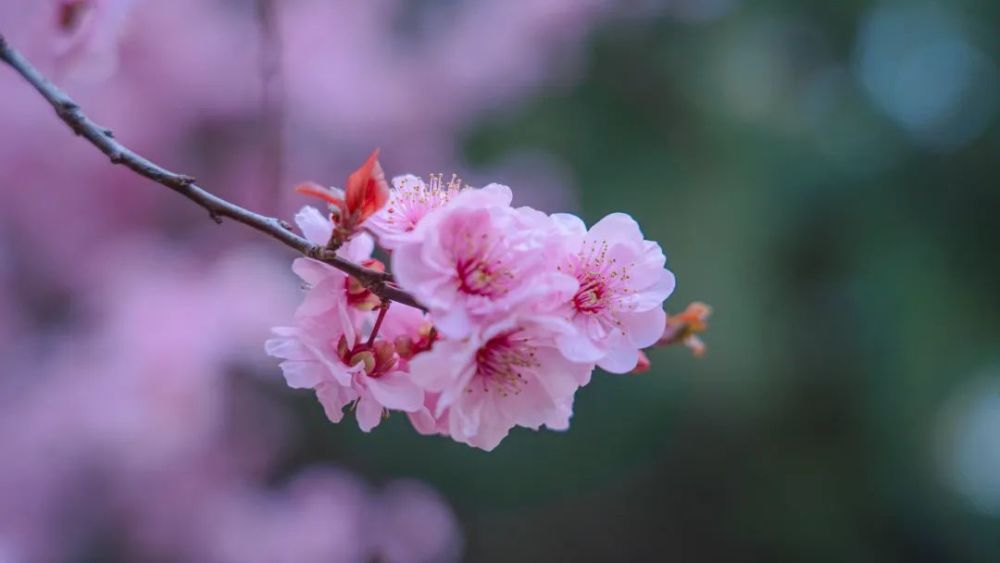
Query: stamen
x=603, y=284
x=503, y=363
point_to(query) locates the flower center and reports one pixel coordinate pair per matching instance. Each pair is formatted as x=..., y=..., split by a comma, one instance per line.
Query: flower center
x=590, y=298
x=503, y=362
x=412, y=200
x=603, y=284
x=477, y=278
x=377, y=359
x=481, y=266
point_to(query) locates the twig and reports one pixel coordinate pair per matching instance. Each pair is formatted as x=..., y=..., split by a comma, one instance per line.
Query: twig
x=70, y=112
x=382, y=310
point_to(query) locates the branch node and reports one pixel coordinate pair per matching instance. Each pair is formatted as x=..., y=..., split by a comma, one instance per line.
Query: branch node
x=186, y=180
x=315, y=252
x=117, y=158
x=108, y=133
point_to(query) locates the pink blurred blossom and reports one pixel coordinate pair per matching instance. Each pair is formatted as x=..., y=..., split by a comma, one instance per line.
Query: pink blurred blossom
x=325, y=515
x=117, y=403
x=410, y=523
x=317, y=518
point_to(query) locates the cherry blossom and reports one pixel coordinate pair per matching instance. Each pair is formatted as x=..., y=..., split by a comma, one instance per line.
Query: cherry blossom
x=520, y=307
x=410, y=200
x=477, y=259
x=618, y=308
x=510, y=374
x=325, y=350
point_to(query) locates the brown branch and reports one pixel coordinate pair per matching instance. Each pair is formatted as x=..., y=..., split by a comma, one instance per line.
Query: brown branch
x=70, y=112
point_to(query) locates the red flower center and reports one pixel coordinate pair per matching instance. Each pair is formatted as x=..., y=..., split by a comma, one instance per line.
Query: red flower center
x=503, y=362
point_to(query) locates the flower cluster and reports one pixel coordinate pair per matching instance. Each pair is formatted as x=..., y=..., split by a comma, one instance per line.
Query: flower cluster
x=520, y=307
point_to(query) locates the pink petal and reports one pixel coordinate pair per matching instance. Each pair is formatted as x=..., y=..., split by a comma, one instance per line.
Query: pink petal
x=616, y=228
x=578, y=347
x=314, y=225
x=311, y=271
x=454, y=323
x=303, y=375
x=396, y=391
x=620, y=360
x=358, y=249
x=333, y=397
x=325, y=296
x=660, y=286
x=368, y=413
x=287, y=349
x=439, y=368
x=644, y=328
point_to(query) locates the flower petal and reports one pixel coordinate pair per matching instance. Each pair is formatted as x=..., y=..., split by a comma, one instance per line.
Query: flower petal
x=396, y=391
x=314, y=225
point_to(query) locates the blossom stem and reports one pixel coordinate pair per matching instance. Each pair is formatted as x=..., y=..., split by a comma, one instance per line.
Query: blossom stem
x=382, y=310
x=103, y=139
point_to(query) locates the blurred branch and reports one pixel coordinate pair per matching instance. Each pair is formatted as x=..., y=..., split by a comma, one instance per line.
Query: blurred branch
x=69, y=111
x=273, y=98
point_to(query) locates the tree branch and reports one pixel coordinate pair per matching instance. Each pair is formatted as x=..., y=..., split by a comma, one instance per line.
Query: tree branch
x=69, y=111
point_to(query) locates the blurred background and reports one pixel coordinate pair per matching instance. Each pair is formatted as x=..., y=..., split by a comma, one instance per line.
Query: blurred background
x=824, y=174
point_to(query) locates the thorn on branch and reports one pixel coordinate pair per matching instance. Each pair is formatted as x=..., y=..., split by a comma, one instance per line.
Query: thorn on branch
x=108, y=133
x=186, y=180
x=117, y=158
x=286, y=225
x=215, y=216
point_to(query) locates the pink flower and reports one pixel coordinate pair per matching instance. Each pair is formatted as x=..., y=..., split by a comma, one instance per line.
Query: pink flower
x=477, y=260
x=618, y=308
x=326, y=351
x=317, y=355
x=410, y=200
x=327, y=287
x=510, y=374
